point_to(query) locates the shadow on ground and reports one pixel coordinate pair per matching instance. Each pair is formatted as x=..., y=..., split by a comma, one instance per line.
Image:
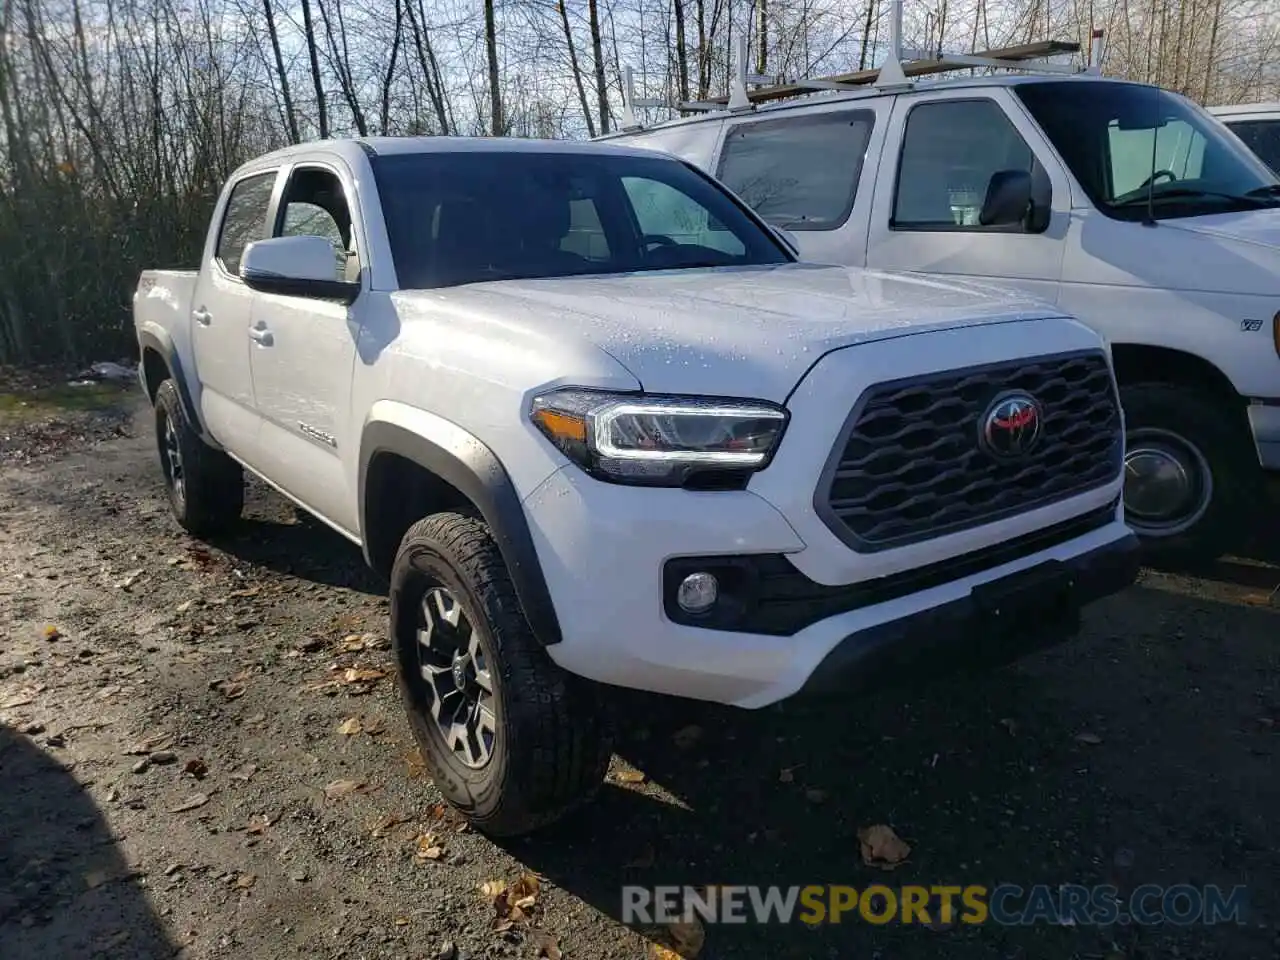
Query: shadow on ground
x=1134, y=755
x=66, y=891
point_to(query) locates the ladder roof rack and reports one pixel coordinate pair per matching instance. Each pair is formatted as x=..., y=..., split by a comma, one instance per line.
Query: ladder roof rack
x=894, y=74
x=1020, y=57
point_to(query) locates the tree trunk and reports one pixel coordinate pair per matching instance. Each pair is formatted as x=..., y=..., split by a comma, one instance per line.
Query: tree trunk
x=308, y=26
x=597, y=50
x=682, y=51
x=290, y=116
x=573, y=65
x=496, y=122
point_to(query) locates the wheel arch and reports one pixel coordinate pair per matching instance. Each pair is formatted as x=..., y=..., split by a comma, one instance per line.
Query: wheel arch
x=159, y=362
x=406, y=473
x=1146, y=363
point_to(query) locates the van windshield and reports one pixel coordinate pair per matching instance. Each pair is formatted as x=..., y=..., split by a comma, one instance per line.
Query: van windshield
x=1137, y=150
x=468, y=216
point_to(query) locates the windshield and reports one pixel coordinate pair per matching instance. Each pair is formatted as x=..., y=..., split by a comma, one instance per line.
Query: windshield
x=466, y=216
x=1260, y=136
x=1137, y=149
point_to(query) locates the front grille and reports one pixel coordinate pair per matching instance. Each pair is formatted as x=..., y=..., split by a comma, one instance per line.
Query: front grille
x=909, y=465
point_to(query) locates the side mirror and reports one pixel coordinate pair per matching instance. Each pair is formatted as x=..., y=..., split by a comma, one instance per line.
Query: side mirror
x=295, y=267
x=1017, y=197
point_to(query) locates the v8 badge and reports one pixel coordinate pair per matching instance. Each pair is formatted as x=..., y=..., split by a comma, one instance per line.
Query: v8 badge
x=1249, y=326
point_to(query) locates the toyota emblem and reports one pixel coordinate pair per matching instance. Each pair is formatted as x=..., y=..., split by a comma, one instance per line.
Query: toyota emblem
x=1011, y=425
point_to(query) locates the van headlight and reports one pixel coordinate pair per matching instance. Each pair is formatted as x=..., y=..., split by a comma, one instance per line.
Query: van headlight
x=661, y=440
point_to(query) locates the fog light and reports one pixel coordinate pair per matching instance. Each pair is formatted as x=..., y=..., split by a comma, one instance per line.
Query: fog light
x=697, y=593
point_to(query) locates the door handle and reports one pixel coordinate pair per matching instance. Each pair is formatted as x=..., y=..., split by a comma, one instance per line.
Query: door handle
x=202, y=316
x=261, y=336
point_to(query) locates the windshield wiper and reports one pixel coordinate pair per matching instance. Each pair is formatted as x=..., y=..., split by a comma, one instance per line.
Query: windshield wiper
x=1196, y=192
x=1270, y=190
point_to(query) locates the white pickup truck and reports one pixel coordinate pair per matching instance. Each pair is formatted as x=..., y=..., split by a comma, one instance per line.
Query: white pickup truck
x=1125, y=205
x=586, y=449
x=1258, y=125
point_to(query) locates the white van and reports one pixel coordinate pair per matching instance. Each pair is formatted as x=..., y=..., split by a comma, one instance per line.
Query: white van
x=1258, y=125
x=1127, y=206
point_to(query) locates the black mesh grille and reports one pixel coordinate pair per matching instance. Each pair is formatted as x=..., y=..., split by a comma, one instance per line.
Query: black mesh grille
x=912, y=467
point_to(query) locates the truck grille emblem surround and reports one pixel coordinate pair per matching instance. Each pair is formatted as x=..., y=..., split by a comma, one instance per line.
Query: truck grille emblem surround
x=1011, y=426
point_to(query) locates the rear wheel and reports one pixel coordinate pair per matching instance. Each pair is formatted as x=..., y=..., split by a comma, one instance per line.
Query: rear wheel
x=512, y=741
x=205, y=486
x=1191, y=475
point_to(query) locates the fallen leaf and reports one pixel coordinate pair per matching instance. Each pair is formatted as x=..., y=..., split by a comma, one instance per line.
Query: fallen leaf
x=881, y=847
x=524, y=892
x=245, y=881
x=350, y=726
x=353, y=643
x=492, y=889
x=429, y=847
x=687, y=937
x=197, y=768
x=52, y=633
x=630, y=776
x=401, y=921
x=246, y=592
x=342, y=788
x=130, y=579
x=545, y=946
x=257, y=824
x=157, y=741
x=686, y=737
x=658, y=951
x=185, y=605
x=385, y=824
x=374, y=726
x=1090, y=738
x=191, y=803
x=362, y=675
x=244, y=773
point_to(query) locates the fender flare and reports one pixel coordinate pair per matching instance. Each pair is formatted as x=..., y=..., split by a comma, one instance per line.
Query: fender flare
x=471, y=468
x=148, y=340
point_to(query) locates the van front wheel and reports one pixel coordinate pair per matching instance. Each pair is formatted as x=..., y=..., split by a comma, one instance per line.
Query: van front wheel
x=1191, y=475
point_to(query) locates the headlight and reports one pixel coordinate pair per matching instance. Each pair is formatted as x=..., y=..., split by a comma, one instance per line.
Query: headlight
x=661, y=440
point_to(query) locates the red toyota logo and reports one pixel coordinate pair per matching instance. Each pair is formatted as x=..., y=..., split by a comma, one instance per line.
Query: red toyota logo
x=1011, y=425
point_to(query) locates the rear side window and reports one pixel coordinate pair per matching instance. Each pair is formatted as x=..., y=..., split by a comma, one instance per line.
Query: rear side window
x=799, y=173
x=246, y=218
x=1262, y=137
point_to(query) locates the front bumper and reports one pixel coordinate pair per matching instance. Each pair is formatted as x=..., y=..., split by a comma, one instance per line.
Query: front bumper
x=1264, y=424
x=604, y=567
x=972, y=631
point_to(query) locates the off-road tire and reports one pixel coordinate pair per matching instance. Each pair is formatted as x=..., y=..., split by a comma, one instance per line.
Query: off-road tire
x=553, y=736
x=210, y=497
x=1221, y=435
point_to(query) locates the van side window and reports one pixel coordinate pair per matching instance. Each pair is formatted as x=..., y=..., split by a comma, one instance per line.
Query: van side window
x=245, y=219
x=950, y=149
x=798, y=173
x=314, y=206
x=1260, y=136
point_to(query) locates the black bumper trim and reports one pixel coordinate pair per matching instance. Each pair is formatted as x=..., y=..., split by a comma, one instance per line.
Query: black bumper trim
x=765, y=593
x=998, y=622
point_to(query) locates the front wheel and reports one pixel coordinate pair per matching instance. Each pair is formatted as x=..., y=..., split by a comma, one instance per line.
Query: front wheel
x=1191, y=475
x=512, y=741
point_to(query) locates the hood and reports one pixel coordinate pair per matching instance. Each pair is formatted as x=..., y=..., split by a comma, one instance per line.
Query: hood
x=740, y=330
x=1258, y=227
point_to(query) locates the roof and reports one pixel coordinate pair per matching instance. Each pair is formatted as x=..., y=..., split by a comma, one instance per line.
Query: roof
x=860, y=93
x=351, y=148
x=1245, y=109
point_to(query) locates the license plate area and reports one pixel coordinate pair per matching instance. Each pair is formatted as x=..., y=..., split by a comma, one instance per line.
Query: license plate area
x=1043, y=594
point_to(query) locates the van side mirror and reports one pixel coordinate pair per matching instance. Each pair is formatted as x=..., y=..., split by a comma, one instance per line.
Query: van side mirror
x=1017, y=197
x=295, y=267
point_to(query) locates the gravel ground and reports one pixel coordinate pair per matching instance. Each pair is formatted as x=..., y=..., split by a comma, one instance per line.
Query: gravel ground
x=202, y=755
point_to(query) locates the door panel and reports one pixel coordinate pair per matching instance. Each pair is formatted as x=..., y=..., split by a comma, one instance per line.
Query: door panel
x=925, y=215
x=221, y=314
x=302, y=370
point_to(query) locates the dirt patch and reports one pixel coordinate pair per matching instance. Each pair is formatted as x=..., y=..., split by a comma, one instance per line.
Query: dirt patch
x=48, y=412
x=203, y=753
